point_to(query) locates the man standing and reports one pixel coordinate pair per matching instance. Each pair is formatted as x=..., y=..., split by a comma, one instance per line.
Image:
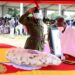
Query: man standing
x=34, y=27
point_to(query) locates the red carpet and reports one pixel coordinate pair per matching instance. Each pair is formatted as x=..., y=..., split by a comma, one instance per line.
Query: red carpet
x=11, y=69
x=5, y=46
x=63, y=66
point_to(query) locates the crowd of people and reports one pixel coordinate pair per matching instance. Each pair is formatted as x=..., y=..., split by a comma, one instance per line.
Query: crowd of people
x=11, y=26
x=70, y=22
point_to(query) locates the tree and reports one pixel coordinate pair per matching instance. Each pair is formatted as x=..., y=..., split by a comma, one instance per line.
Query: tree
x=72, y=16
x=13, y=12
x=55, y=15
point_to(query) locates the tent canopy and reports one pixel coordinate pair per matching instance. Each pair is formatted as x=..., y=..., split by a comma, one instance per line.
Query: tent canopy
x=65, y=7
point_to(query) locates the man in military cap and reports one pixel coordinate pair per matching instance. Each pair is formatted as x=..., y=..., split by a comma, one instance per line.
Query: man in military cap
x=31, y=20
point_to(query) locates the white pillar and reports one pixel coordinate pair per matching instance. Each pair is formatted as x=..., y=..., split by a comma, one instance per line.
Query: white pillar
x=4, y=10
x=21, y=9
x=21, y=13
x=44, y=12
x=1, y=11
x=60, y=9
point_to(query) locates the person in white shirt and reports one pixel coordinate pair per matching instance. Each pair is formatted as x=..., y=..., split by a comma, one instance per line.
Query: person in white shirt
x=12, y=26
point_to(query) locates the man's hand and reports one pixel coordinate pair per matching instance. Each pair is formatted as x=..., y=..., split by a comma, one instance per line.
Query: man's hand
x=32, y=10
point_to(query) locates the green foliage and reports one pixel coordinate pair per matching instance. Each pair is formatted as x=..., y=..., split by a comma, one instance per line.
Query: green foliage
x=72, y=16
x=13, y=12
x=55, y=15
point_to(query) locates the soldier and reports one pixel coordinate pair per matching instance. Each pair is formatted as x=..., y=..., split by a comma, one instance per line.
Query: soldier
x=33, y=24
